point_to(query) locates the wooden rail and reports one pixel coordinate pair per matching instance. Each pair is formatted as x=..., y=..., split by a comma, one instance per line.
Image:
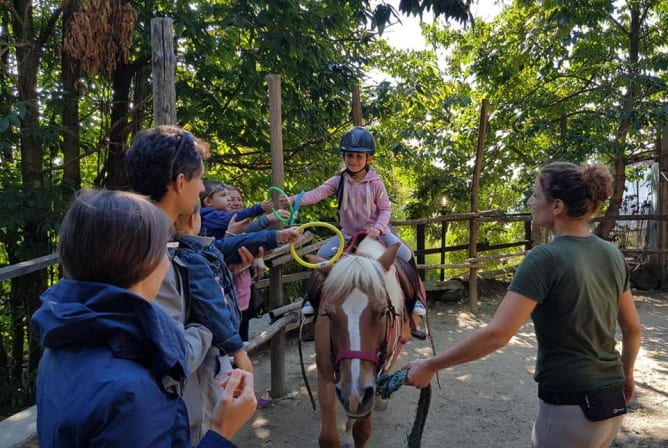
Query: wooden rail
x=27, y=267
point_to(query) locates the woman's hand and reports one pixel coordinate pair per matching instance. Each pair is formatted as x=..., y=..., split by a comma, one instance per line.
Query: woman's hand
x=259, y=267
x=237, y=405
x=420, y=373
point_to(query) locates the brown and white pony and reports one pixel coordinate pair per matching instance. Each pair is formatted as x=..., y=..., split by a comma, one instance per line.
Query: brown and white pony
x=361, y=328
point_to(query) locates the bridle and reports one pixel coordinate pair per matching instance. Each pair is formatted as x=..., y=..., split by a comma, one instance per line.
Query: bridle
x=393, y=342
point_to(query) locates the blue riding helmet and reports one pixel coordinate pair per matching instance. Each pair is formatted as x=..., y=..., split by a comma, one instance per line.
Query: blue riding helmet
x=358, y=139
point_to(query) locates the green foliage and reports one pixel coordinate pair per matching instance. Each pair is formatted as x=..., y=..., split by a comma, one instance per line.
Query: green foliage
x=458, y=10
x=557, y=76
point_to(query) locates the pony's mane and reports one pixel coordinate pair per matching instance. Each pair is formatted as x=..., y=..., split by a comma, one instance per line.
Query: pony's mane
x=361, y=270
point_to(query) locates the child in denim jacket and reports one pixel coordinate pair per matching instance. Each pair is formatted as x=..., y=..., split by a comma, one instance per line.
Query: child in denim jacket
x=211, y=284
x=245, y=278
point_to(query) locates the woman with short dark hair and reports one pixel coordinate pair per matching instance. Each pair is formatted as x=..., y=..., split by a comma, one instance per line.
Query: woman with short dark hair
x=114, y=364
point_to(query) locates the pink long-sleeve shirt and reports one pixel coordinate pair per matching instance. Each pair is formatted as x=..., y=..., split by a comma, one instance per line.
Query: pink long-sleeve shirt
x=364, y=204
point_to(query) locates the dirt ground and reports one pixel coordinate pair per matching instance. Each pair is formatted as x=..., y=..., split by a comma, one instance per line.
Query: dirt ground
x=488, y=403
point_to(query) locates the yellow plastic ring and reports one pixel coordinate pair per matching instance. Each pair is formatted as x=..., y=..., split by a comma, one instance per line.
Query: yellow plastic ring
x=332, y=260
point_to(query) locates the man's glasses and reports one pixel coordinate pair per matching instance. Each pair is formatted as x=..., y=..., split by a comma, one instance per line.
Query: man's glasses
x=185, y=138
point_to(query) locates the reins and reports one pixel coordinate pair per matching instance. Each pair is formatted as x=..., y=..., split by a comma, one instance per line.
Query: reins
x=301, y=362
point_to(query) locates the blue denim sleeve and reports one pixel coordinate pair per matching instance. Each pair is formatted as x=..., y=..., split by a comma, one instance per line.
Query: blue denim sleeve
x=214, y=222
x=248, y=212
x=208, y=303
x=251, y=241
x=259, y=224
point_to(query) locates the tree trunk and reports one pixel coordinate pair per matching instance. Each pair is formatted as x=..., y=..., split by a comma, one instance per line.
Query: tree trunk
x=27, y=61
x=628, y=106
x=32, y=240
x=71, y=143
x=118, y=134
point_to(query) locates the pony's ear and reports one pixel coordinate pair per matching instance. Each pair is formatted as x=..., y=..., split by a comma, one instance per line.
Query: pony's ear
x=315, y=260
x=388, y=257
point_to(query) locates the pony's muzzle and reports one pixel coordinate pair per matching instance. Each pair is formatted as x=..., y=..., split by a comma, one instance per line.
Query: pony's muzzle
x=357, y=403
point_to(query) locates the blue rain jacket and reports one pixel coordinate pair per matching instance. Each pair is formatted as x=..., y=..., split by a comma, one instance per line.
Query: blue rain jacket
x=111, y=372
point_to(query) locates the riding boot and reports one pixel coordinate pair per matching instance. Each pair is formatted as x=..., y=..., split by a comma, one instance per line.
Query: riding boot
x=414, y=279
x=311, y=292
x=415, y=330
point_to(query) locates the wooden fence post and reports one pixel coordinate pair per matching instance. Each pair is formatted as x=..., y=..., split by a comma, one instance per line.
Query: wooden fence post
x=356, y=106
x=278, y=388
x=163, y=66
x=527, y=235
x=444, y=231
x=473, y=223
x=420, y=255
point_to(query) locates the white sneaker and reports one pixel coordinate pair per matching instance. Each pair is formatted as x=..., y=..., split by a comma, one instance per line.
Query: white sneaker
x=307, y=308
x=419, y=309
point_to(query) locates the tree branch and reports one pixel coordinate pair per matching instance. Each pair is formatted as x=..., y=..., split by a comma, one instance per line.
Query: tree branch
x=50, y=25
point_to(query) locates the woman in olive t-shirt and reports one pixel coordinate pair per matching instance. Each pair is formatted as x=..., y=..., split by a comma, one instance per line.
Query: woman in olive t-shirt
x=576, y=290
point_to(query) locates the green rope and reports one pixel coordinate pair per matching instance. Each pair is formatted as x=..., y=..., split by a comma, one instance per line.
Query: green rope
x=387, y=384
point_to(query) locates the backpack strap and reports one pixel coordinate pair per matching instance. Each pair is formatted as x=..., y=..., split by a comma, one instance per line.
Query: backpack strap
x=339, y=192
x=182, y=280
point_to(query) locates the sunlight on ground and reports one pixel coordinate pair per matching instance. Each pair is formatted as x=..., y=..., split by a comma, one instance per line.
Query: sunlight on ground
x=259, y=426
x=523, y=339
x=465, y=377
x=468, y=321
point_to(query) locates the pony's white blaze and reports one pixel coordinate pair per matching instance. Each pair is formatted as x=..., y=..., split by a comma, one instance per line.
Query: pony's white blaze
x=354, y=305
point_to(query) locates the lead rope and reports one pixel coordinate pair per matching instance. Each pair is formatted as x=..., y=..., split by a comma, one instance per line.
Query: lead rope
x=387, y=384
x=301, y=361
x=433, y=346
